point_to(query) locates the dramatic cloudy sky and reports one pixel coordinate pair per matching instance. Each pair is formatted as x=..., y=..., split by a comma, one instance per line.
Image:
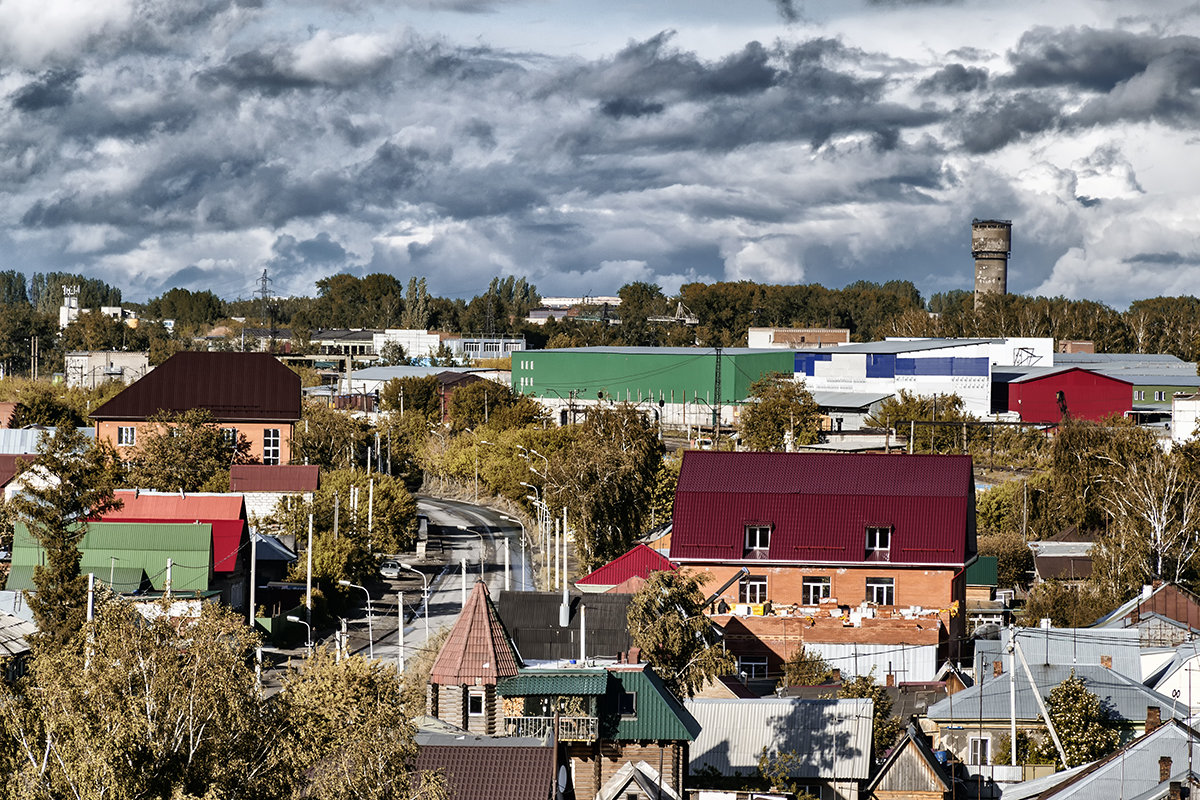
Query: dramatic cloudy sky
x=195, y=143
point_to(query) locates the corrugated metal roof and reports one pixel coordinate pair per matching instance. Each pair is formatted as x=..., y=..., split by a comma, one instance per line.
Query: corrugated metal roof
x=1037, y=373
x=554, y=683
x=532, y=620
x=14, y=634
x=909, y=345
x=477, y=650
x=137, y=548
x=1127, y=697
x=278, y=478
x=656, y=351
x=832, y=737
x=233, y=386
x=1117, y=358
x=660, y=716
x=407, y=371
x=819, y=505
x=23, y=440
x=638, y=562
x=1065, y=647
x=226, y=512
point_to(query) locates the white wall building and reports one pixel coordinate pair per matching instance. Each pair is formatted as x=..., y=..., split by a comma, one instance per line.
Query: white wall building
x=87, y=370
x=1185, y=414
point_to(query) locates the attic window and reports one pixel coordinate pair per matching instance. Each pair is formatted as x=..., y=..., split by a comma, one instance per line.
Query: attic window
x=879, y=538
x=627, y=704
x=758, y=536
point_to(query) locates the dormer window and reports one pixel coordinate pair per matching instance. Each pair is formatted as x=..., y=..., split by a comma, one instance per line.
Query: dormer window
x=879, y=538
x=627, y=704
x=758, y=538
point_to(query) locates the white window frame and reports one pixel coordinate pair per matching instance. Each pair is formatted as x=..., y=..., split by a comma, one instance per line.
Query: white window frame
x=272, y=451
x=229, y=436
x=126, y=436
x=884, y=588
x=823, y=584
x=879, y=538
x=755, y=667
x=758, y=537
x=752, y=589
x=627, y=714
x=472, y=696
x=979, y=747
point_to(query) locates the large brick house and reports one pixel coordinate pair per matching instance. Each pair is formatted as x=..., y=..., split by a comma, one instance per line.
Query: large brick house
x=817, y=537
x=248, y=394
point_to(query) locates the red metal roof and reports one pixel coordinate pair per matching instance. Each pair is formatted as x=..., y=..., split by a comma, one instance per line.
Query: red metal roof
x=638, y=562
x=819, y=506
x=281, y=478
x=233, y=386
x=225, y=512
x=478, y=650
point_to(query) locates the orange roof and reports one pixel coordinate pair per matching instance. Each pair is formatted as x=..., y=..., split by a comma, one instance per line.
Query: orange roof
x=478, y=650
x=137, y=504
x=631, y=585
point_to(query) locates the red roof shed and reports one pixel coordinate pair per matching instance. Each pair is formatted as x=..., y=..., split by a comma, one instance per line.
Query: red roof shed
x=817, y=507
x=225, y=512
x=1087, y=395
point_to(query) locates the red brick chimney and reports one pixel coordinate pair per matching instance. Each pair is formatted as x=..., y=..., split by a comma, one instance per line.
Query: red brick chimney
x=891, y=679
x=634, y=656
x=1106, y=662
x=837, y=675
x=1176, y=790
x=1164, y=769
x=997, y=669
x=1153, y=718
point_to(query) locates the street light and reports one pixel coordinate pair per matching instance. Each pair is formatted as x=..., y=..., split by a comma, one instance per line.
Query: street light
x=480, y=535
x=370, y=628
x=524, y=541
x=424, y=594
x=308, y=630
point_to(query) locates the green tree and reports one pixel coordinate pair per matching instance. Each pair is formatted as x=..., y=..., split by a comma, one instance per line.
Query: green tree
x=805, y=668
x=327, y=437
x=1066, y=606
x=1084, y=457
x=779, y=768
x=487, y=403
x=662, y=497
x=413, y=395
x=392, y=354
x=896, y=412
x=1014, y=559
x=186, y=452
x=1086, y=726
x=416, y=305
x=71, y=481
x=780, y=411
x=885, y=727
x=667, y=621
x=604, y=479
x=42, y=403
x=392, y=524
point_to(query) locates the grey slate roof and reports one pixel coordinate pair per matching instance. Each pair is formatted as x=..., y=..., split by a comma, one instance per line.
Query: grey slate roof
x=832, y=736
x=531, y=619
x=1117, y=358
x=989, y=700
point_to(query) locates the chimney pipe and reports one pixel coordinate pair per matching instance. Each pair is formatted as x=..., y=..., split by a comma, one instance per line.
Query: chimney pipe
x=1106, y=662
x=1176, y=790
x=997, y=669
x=837, y=675
x=1164, y=769
x=891, y=679
x=634, y=656
x=1153, y=718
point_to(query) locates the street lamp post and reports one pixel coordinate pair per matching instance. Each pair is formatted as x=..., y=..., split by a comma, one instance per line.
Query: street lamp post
x=481, y=546
x=524, y=564
x=424, y=595
x=308, y=631
x=370, y=627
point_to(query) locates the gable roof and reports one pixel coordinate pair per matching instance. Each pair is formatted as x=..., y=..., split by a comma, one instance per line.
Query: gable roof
x=660, y=716
x=1166, y=600
x=532, y=620
x=819, y=505
x=639, y=562
x=645, y=777
x=832, y=737
x=274, y=478
x=478, y=650
x=929, y=772
x=233, y=386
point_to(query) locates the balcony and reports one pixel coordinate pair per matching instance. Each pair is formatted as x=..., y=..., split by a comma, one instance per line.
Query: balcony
x=570, y=729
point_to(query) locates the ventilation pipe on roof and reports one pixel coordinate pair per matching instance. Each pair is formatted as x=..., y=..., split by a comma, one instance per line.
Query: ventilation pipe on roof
x=583, y=635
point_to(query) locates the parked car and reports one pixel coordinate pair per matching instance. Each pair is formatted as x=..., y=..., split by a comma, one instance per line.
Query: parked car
x=390, y=569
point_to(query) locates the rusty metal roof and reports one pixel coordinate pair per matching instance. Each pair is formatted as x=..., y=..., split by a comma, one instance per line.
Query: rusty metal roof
x=818, y=506
x=478, y=650
x=232, y=386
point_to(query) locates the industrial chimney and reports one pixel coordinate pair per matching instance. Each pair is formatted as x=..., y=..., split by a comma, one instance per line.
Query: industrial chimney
x=991, y=243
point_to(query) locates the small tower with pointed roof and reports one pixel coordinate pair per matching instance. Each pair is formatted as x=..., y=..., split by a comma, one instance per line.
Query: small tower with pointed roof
x=476, y=656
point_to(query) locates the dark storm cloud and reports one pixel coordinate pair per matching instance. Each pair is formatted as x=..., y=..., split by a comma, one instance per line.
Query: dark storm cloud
x=1001, y=121
x=954, y=79
x=259, y=71
x=620, y=107
x=1093, y=59
x=788, y=9
x=53, y=89
x=1169, y=259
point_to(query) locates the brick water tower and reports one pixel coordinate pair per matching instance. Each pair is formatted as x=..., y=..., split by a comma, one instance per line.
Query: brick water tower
x=991, y=243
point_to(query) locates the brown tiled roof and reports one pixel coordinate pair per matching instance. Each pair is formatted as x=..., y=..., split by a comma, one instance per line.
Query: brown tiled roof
x=233, y=386
x=478, y=650
x=1071, y=568
x=281, y=478
x=492, y=771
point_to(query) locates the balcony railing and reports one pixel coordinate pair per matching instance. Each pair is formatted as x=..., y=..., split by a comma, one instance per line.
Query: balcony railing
x=570, y=729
